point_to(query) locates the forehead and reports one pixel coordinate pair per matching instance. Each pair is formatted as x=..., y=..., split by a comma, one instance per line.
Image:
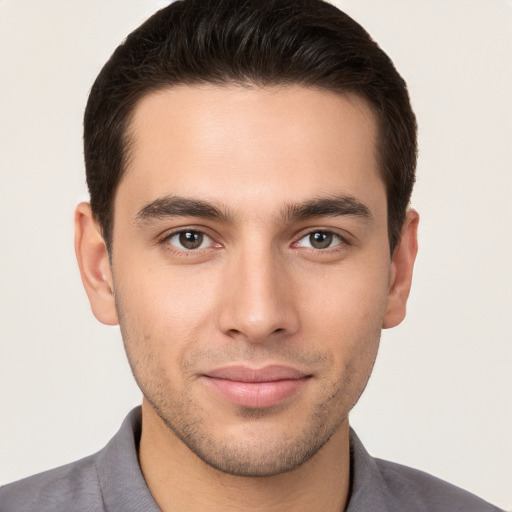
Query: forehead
x=251, y=146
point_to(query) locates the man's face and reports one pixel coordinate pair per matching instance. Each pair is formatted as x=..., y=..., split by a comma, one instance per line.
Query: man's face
x=251, y=267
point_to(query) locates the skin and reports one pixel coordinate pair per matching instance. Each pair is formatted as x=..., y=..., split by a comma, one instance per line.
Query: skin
x=258, y=292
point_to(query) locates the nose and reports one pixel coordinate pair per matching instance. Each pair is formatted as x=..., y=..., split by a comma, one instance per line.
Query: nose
x=257, y=303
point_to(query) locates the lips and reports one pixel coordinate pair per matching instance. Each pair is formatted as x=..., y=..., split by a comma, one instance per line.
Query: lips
x=256, y=387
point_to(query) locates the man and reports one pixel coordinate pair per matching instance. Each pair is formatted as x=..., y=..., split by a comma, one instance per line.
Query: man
x=250, y=166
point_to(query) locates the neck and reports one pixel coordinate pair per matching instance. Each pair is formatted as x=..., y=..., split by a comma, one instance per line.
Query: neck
x=180, y=481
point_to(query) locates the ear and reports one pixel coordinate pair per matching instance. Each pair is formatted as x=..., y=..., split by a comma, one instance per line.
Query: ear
x=402, y=263
x=91, y=253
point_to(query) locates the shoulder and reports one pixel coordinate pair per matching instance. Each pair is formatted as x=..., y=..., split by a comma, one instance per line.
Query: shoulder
x=379, y=485
x=73, y=487
x=412, y=489
x=110, y=479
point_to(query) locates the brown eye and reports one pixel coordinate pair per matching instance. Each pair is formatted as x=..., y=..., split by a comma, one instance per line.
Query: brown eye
x=320, y=240
x=189, y=240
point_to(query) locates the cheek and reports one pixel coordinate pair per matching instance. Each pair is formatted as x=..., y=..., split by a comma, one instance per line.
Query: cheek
x=342, y=313
x=163, y=313
x=346, y=298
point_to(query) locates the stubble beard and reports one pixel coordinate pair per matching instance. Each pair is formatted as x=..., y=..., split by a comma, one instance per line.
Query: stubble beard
x=266, y=451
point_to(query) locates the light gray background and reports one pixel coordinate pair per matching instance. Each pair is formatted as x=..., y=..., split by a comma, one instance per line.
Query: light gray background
x=440, y=398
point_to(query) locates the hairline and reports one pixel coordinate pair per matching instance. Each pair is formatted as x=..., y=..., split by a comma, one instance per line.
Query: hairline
x=128, y=132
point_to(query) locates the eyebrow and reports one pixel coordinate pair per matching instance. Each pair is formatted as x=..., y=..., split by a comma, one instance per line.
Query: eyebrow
x=335, y=206
x=176, y=206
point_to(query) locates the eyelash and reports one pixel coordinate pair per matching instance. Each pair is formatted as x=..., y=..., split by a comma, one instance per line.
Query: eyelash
x=341, y=241
x=165, y=241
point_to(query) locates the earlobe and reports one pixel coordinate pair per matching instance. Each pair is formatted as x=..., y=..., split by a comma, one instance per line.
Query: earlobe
x=402, y=264
x=93, y=262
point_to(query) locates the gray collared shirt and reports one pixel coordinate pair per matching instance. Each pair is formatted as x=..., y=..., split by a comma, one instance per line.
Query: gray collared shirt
x=111, y=481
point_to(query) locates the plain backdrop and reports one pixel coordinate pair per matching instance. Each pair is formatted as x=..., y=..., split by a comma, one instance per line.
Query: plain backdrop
x=440, y=398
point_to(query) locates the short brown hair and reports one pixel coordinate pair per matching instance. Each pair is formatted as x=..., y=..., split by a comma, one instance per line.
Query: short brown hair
x=271, y=42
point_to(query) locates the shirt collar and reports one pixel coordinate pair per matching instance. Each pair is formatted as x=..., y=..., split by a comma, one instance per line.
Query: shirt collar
x=368, y=491
x=123, y=486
